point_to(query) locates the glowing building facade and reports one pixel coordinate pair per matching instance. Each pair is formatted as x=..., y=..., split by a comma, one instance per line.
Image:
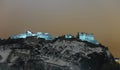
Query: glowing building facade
x=88, y=37
x=82, y=36
x=45, y=36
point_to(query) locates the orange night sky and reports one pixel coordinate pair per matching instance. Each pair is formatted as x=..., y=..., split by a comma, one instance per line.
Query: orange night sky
x=101, y=17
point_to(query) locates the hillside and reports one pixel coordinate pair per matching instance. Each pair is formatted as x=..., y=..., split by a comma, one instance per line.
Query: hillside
x=61, y=53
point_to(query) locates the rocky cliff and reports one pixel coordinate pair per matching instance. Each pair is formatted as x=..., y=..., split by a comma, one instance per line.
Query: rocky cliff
x=62, y=53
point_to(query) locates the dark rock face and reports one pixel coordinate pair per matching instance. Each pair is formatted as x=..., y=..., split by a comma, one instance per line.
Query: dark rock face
x=59, y=54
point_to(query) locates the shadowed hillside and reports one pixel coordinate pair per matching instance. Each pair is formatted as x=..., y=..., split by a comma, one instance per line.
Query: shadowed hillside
x=61, y=53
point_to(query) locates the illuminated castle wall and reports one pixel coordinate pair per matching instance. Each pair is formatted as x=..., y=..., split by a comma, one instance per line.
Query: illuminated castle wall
x=82, y=36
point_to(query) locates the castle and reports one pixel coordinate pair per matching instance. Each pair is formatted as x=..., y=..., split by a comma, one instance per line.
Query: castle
x=82, y=36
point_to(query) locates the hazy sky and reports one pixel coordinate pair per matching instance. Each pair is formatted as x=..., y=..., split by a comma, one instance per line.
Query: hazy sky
x=101, y=17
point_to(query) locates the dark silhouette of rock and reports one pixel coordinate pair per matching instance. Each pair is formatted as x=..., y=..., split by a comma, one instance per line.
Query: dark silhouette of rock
x=34, y=53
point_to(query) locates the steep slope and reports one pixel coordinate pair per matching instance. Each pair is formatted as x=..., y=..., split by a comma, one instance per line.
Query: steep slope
x=61, y=53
